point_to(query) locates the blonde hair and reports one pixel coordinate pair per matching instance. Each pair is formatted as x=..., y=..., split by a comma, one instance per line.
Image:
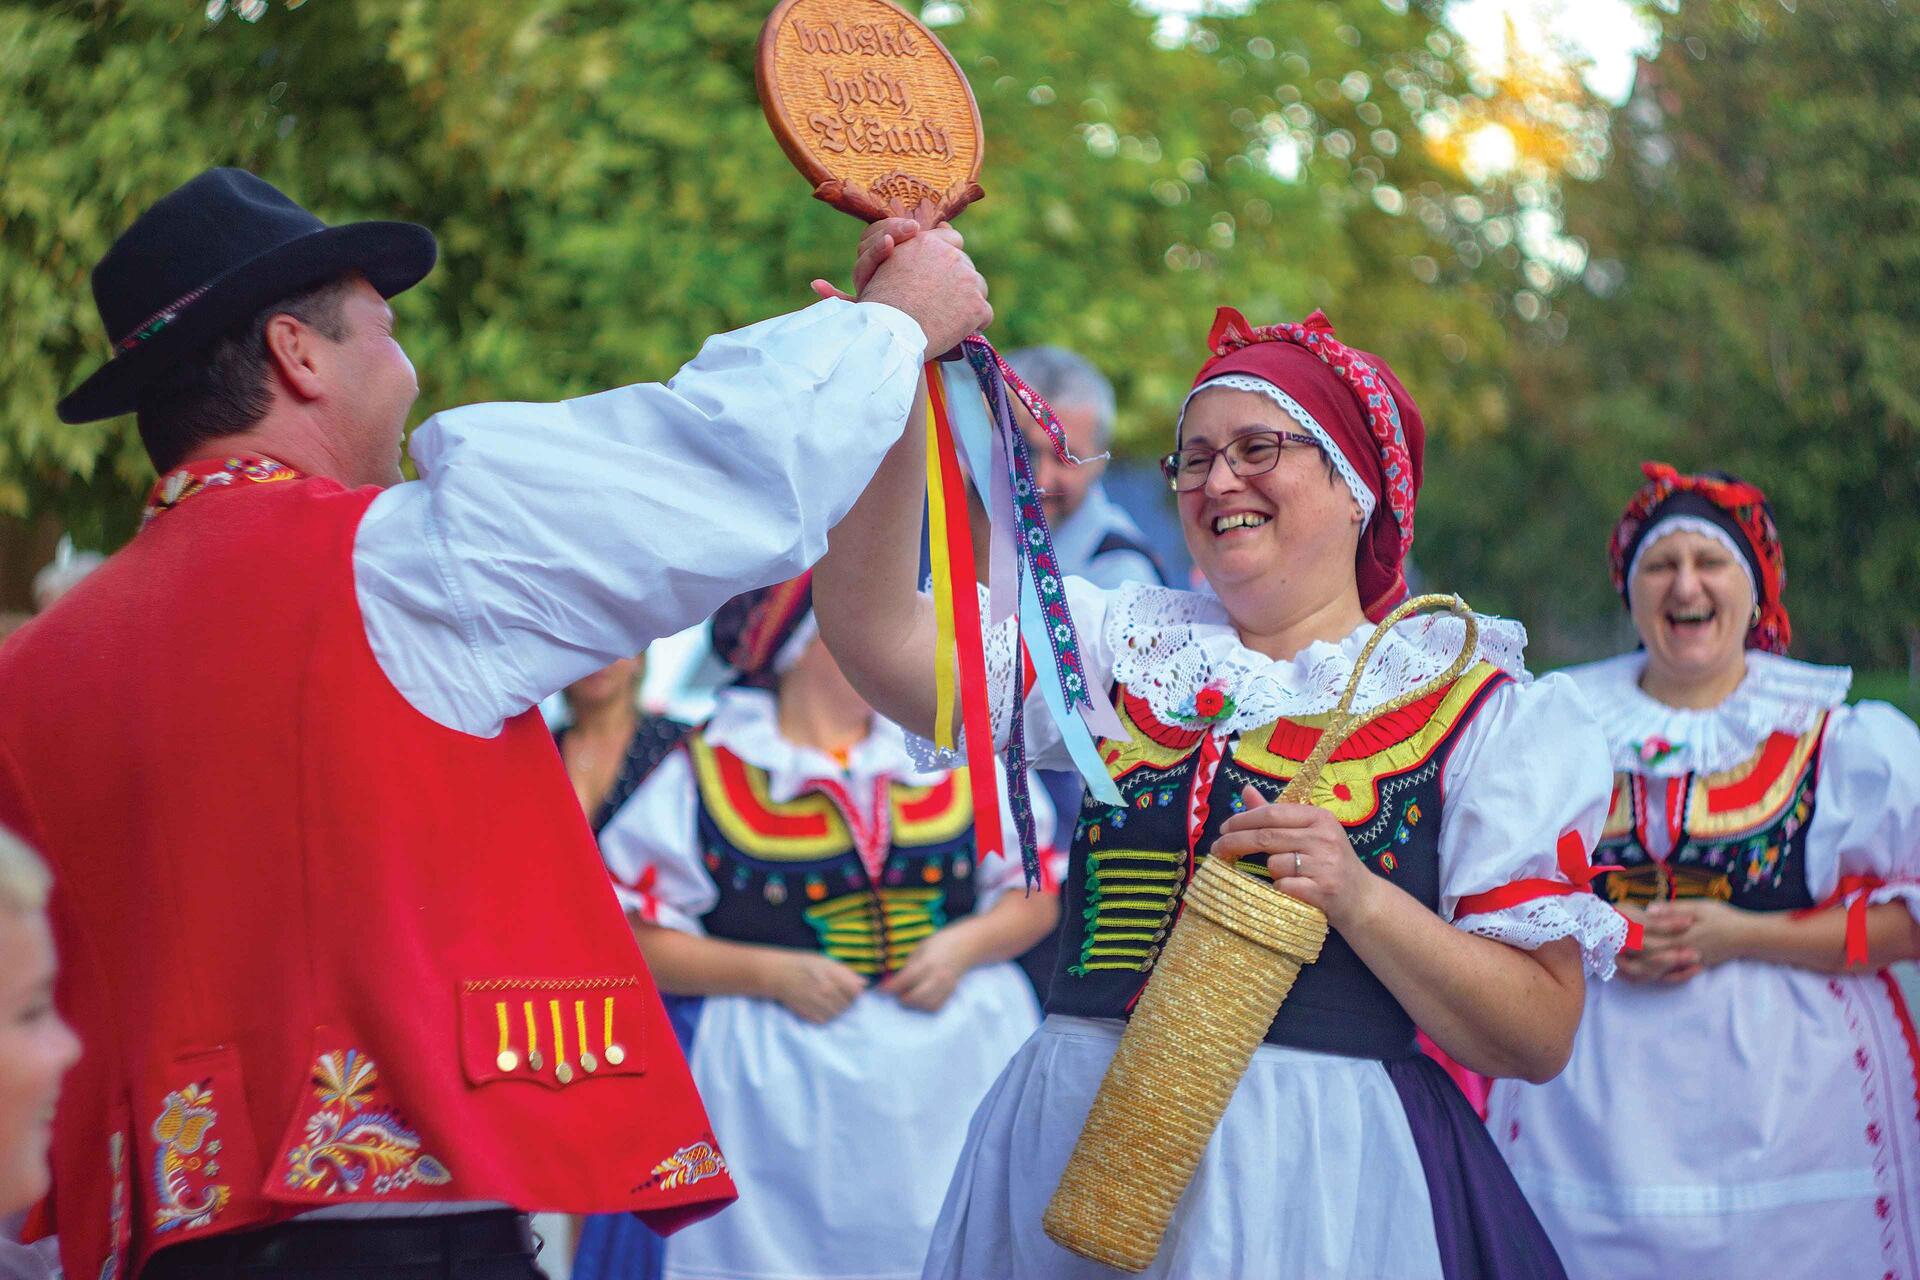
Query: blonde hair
x=24, y=879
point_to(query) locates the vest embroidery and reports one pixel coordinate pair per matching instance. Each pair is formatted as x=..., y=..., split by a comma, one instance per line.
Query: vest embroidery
x=186, y=1197
x=352, y=1144
x=695, y=1162
x=184, y=482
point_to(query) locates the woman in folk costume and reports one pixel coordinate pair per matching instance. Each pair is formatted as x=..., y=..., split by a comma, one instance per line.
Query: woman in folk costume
x=1742, y=1097
x=1447, y=849
x=792, y=865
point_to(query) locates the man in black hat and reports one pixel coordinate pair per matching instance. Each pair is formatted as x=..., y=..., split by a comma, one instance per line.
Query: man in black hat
x=337, y=938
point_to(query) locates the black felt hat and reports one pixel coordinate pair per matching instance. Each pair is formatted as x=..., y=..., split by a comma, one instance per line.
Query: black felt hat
x=209, y=255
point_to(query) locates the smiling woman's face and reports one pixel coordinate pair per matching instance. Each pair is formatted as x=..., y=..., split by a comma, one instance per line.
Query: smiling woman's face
x=1692, y=606
x=36, y=1048
x=1293, y=527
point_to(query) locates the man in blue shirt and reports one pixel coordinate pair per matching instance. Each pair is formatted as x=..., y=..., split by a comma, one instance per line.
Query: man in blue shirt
x=1094, y=537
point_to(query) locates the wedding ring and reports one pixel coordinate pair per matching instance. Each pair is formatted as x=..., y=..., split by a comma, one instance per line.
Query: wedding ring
x=1296, y=863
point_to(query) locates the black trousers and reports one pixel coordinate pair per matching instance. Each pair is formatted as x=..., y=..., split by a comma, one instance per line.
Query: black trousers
x=493, y=1245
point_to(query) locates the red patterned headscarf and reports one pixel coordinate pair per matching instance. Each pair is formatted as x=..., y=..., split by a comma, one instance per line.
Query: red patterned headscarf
x=750, y=630
x=1357, y=401
x=1738, y=508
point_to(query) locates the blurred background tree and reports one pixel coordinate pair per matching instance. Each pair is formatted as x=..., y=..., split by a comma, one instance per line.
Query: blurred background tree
x=1737, y=286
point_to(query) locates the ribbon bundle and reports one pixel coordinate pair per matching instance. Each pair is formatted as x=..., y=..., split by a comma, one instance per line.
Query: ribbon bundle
x=1024, y=581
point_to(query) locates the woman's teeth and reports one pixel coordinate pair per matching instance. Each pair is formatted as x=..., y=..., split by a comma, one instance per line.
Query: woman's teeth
x=1690, y=619
x=1239, y=520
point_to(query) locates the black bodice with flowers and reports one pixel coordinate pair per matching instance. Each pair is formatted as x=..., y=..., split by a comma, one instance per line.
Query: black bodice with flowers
x=1739, y=835
x=1131, y=863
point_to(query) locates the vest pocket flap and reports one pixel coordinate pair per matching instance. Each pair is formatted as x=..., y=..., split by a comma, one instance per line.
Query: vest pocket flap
x=553, y=1031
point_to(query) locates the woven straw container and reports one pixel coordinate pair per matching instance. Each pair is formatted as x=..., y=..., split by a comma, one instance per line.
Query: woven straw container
x=1223, y=975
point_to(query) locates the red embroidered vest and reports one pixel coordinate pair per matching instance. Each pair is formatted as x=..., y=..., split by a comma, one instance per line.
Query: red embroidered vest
x=319, y=948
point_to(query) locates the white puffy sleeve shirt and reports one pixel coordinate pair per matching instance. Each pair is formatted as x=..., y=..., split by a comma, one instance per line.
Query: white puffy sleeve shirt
x=544, y=541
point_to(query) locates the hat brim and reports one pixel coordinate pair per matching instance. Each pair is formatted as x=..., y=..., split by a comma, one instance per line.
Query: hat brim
x=393, y=256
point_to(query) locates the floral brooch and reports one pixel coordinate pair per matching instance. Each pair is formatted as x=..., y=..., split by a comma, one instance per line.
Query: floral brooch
x=1656, y=750
x=1211, y=704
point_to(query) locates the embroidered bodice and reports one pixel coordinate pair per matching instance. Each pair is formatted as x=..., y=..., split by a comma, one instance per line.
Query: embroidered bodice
x=864, y=879
x=1737, y=834
x=1131, y=863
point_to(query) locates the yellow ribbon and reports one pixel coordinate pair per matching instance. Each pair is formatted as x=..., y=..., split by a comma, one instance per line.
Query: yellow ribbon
x=945, y=646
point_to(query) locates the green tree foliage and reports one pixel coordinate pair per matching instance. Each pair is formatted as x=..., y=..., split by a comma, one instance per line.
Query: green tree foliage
x=1752, y=303
x=607, y=194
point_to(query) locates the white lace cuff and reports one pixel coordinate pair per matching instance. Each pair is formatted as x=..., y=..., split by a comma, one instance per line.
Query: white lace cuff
x=1600, y=930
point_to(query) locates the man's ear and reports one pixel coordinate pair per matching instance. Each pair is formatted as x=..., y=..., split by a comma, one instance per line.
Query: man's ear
x=293, y=351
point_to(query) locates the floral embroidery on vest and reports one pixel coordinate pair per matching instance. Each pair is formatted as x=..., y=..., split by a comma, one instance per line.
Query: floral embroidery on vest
x=693, y=1163
x=349, y=1138
x=184, y=482
x=185, y=1163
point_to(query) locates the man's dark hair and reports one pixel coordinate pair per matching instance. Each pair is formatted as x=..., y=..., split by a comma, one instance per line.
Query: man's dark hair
x=222, y=388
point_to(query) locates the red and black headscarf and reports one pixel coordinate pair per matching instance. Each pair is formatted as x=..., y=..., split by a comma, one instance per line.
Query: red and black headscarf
x=750, y=630
x=1358, y=402
x=1730, y=504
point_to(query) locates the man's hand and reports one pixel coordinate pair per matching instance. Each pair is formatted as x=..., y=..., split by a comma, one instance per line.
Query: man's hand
x=926, y=274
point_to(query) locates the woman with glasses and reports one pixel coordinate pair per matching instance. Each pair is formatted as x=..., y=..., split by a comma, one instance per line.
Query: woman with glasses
x=1446, y=843
x=1741, y=1101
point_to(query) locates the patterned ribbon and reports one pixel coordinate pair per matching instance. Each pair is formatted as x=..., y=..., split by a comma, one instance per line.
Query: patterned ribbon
x=1855, y=892
x=872, y=834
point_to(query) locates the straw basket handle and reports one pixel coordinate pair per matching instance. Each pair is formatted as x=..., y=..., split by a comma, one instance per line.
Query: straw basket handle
x=1345, y=723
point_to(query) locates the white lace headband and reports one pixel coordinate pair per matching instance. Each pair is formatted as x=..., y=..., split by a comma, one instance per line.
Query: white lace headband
x=803, y=635
x=1692, y=524
x=1293, y=408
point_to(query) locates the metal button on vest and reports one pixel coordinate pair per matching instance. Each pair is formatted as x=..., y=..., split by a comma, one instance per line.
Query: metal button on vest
x=564, y=1073
x=588, y=1063
x=508, y=1060
x=615, y=1055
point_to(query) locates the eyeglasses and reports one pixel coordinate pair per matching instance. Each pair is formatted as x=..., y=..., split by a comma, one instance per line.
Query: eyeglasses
x=1253, y=454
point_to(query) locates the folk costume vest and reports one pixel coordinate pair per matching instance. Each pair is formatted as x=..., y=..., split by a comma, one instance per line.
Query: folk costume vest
x=319, y=948
x=1739, y=835
x=1130, y=864
x=864, y=883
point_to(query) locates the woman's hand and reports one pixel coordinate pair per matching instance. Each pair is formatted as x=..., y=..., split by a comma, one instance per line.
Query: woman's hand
x=812, y=986
x=1308, y=853
x=1663, y=956
x=928, y=978
x=877, y=244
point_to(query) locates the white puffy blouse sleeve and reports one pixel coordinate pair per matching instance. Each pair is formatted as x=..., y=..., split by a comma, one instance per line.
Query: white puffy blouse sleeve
x=1526, y=793
x=1865, y=835
x=544, y=541
x=651, y=847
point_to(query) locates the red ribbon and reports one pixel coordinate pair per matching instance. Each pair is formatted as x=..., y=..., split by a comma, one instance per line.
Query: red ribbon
x=1858, y=888
x=982, y=777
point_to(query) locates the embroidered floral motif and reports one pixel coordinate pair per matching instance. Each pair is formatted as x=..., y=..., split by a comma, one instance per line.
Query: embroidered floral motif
x=116, y=1205
x=352, y=1145
x=185, y=1162
x=1211, y=703
x=184, y=482
x=1656, y=750
x=693, y=1163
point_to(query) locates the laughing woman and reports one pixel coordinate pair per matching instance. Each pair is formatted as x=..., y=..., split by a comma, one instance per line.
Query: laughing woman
x=1436, y=854
x=1741, y=1100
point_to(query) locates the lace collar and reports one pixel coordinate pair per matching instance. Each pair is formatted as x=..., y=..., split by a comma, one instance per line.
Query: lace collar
x=1179, y=651
x=1644, y=735
x=747, y=723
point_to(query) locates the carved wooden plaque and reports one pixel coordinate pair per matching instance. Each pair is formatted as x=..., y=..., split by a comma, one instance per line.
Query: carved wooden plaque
x=871, y=108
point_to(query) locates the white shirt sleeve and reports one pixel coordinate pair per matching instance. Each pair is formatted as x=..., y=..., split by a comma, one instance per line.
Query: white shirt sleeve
x=543, y=541
x=651, y=848
x=1866, y=808
x=1529, y=778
